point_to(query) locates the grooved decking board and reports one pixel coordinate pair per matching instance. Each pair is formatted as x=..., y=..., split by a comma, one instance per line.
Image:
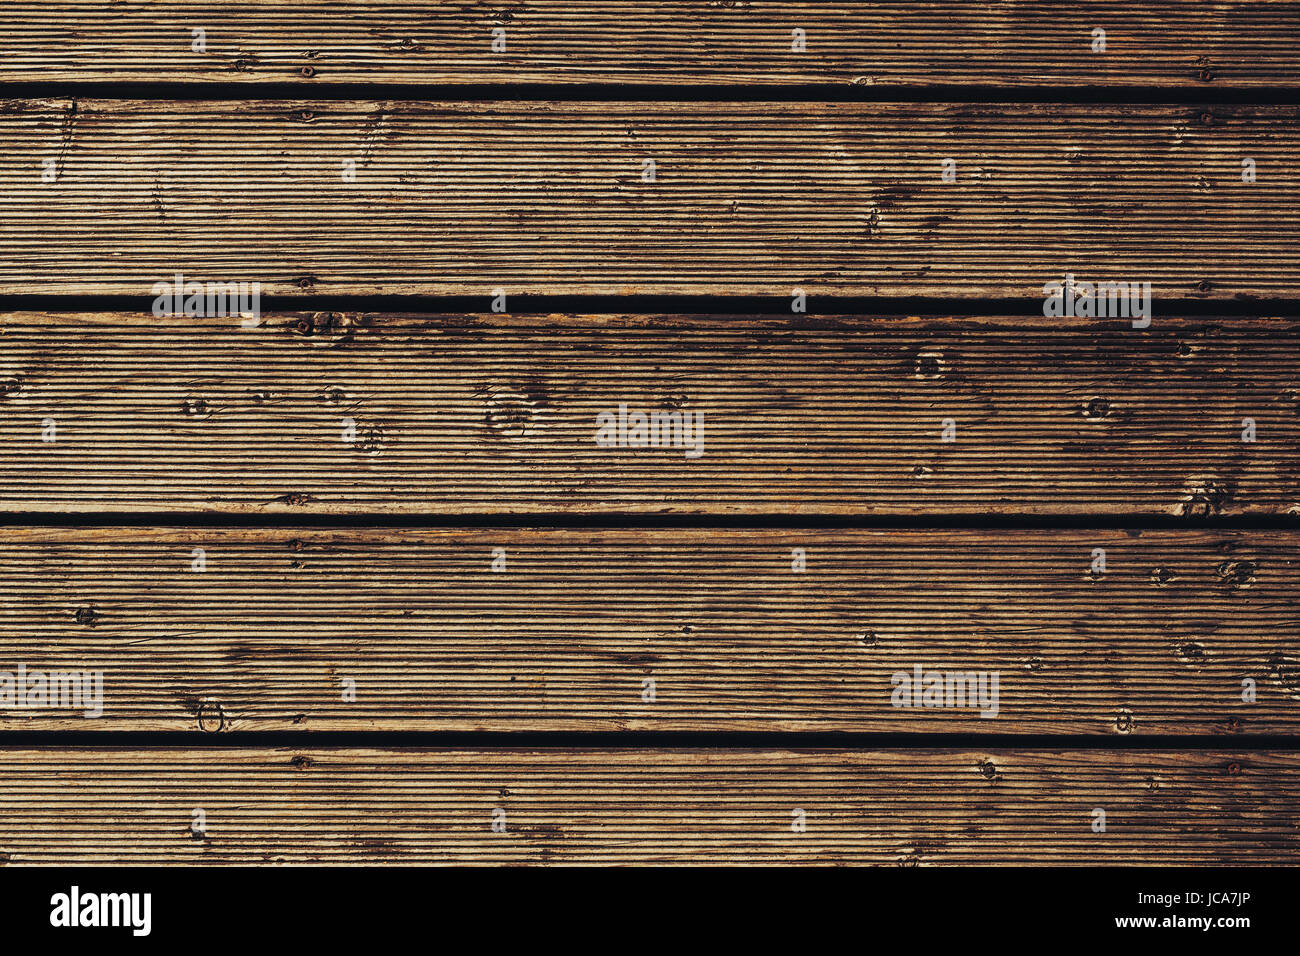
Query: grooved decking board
x=748, y=198
x=482, y=414
x=81, y=806
x=1171, y=44
x=567, y=635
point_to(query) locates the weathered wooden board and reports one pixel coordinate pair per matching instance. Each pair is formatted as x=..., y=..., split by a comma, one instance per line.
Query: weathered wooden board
x=909, y=807
x=361, y=413
x=1170, y=44
x=831, y=198
x=656, y=629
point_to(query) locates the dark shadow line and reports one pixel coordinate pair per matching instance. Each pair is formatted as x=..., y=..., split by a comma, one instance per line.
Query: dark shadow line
x=198, y=521
x=818, y=303
x=677, y=740
x=829, y=92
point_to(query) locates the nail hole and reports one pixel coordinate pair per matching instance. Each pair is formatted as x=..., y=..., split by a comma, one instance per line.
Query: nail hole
x=928, y=365
x=212, y=717
x=1236, y=574
x=1097, y=408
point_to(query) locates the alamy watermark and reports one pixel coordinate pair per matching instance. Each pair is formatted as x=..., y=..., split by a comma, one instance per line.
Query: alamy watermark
x=208, y=299
x=951, y=689
x=659, y=428
x=1101, y=300
x=53, y=690
x=75, y=909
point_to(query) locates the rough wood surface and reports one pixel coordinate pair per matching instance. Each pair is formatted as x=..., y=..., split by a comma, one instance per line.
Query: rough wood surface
x=908, y=807
x=1180, y=44
x=270, y=633
x=832, y=198
x=482, y=414
x=647, y=183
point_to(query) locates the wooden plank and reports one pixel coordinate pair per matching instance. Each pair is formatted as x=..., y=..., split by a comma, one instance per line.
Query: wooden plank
x=75, y=806
x=748, y=198
x=282, y=627
x=1167, y=45
x=490, y=414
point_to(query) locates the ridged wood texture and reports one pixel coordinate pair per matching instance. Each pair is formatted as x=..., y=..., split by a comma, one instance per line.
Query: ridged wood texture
x=478, y=414
x=832, y=198
x=565, y=637
x=77, y=806
x=1180, y=44
x=482, y=414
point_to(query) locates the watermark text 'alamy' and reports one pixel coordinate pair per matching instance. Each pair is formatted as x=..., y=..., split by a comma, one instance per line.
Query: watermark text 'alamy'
x=1101, y=300
x=208, y=299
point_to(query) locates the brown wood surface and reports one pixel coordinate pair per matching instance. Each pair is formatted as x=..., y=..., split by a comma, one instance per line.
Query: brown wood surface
x=1181, y=44
x=831, y=198
x=565, y=637
x=1122, y=165
x=488, y=414
x=901, y=807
